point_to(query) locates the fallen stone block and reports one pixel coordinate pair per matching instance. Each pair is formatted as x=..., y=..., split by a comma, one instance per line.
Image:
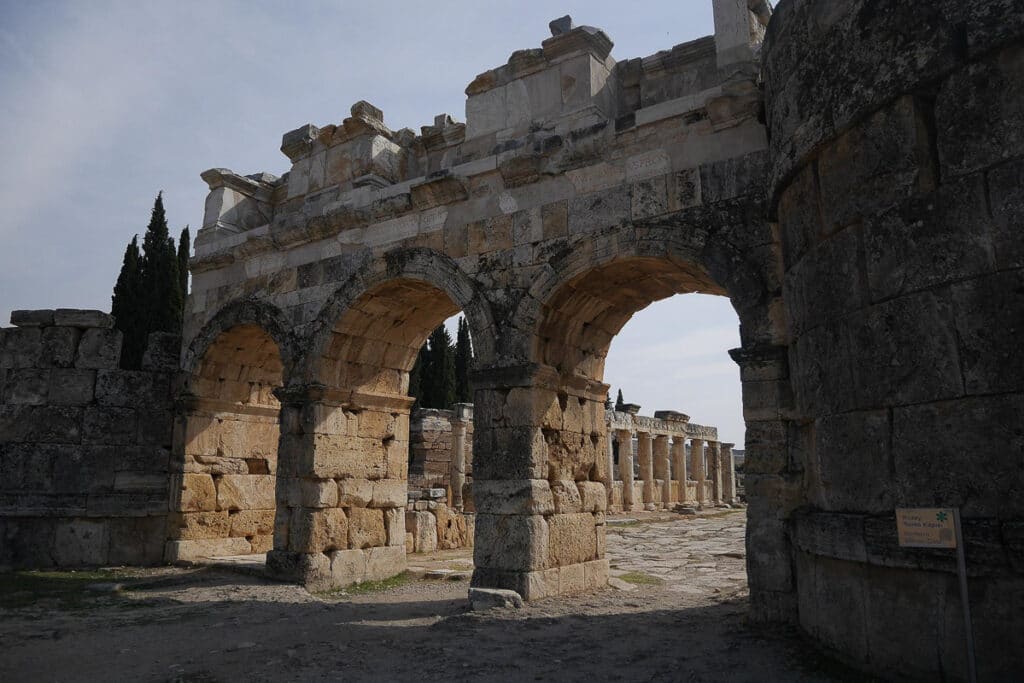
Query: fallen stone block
x=489, y=598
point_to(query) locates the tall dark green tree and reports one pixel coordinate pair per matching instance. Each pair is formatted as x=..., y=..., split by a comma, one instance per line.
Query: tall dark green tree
x=160, y=285
x=463, y=359
x=416, y=376
x=619, y=402
x=184, y=245
x=439, y=371
x=125, y=306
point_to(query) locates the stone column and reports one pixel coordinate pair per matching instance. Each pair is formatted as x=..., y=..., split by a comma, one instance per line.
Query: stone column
x=643, y=440
x=463, y=414
x=679, y=465
x=714, y=465
x=697, y=467
x=341, y=486
x=727, y=467
x=625, y=439
x=611, y=467
x=661, y=469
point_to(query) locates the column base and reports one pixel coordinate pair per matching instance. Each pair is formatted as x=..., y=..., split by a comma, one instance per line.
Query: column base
x=337, y=568
x=545, y=583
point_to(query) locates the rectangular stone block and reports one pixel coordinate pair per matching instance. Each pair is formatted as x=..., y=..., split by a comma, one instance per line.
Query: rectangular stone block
x=132, y=388
x=355, y=492
x=314, y=493
x=198, y=493
x=422, y=526
x=246, y=492
x=202, y=549
x=81, y=543
x=71, y=387
x=26, y=386
x=339, y=457
x=394, y=525
x=105, y=425
x=99, y=349
x=597, y=210
x=852, y=467
x=511, y=542
x=317, y=531
x=366, y=528
x=388, y=493
x=571, y=539
x=59, y=345
x=513, y=496
x=73, y=317
x=348, y=567
x=251, y=522
x=22, y=348
x=384, y=562
x=188, y=526
x=35, y=318
x=137, y=540
x=989, y=314
x=593, y=496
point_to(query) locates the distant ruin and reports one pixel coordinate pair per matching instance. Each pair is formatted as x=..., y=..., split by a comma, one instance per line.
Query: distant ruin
x=848, y=174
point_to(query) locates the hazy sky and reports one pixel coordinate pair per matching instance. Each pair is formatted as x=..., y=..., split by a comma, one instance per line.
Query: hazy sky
x=103, y=104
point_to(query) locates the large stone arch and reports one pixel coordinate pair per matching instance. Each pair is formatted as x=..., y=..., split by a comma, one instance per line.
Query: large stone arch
x=227, y=434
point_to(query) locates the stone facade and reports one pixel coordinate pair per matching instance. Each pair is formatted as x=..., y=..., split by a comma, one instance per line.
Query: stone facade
x=852, y=185
x=432, y=437
x=85, y=447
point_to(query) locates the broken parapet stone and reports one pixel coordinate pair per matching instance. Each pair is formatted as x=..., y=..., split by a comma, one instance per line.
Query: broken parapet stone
x=489, y=598
x=560, y=26
x=63, y=317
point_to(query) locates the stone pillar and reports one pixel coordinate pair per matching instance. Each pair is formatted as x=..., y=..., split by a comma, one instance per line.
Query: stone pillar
x=713, y=455
x=340, y=500
x=463, y=414
x=662, y=470
x=625, y=439
x=679, y=465
x=697, y=468
x=727, y=467
x=611, y=466
x=643, y=442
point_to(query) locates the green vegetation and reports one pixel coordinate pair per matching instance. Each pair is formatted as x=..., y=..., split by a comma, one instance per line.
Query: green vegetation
x=368, y=586
x=149, y=295
x=640, y=579
x=440, y=377
x=67, y=588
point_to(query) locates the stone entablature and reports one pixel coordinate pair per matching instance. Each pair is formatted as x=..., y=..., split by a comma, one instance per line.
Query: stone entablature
x=660, y=425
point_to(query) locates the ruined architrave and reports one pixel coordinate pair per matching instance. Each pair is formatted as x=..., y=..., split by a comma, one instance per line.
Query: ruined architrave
x=853, y=184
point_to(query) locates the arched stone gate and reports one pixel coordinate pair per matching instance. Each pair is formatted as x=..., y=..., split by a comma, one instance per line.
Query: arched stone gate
x=581, y=189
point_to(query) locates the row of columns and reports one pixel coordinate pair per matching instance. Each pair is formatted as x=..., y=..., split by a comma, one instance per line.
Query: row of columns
x=654, y=453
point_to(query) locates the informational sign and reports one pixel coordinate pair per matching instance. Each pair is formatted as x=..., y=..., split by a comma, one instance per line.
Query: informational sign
x=926, y=527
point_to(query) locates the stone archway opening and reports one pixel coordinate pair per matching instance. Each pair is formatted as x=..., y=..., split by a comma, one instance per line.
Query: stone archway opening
x=348, y=470
x=226, y=442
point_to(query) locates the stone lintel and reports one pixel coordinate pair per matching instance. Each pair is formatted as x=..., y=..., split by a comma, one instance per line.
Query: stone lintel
x=671, y=416
x=438, y=190
x=194, y=403
x=259, y=186
x=36, y=318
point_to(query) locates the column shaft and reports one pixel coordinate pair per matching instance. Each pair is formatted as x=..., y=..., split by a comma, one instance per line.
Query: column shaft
x=728, y=469
x=697, y=467
x=646, y=468
x=662, y=469
x=679, y=466
x=625, y=439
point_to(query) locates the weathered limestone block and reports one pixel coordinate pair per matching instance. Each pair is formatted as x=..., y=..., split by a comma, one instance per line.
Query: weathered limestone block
x=317, y=531
x=513, y=497
x=22, y=348
x=384, y=562
x=59, y=345
x=338, y=457
x=109, y=425
x=99, y=349
x=261, y=544
x=515, y=542
x=489, y=598
x=572, y=538
x=190, y=526
x=566, y=496
x=36, y=318
x=251, y=523
x=201, y=549
x=81, y=542
x=73, y=317
x=246, y=492
x=366, y=528
x=198, y=493
x=394, y=524
x=131, y=388
x=314, y=493
x=451, y=528
x=422, y=526
x=26, y=386
x=593, y=496
x=388, y=493
x=355, y=492
x=71, y=387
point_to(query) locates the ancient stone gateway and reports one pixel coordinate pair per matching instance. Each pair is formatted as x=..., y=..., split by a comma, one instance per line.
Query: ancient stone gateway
x=862, y=212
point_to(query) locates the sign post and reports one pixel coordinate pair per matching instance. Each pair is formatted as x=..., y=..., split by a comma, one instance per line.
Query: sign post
x=940, y=528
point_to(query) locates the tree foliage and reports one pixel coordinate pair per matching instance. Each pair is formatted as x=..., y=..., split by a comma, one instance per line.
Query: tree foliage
x=440, y=376
x=463, y=360
x=619, y=404
x=150, y=292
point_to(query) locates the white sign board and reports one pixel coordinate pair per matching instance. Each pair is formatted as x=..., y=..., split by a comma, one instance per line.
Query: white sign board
x=926, y=527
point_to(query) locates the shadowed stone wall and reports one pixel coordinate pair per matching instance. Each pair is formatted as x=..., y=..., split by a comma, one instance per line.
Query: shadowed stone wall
x=84, y=446
x=897, y=178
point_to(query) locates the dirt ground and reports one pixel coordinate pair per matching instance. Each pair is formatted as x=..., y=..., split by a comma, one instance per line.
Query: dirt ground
x=676, y=614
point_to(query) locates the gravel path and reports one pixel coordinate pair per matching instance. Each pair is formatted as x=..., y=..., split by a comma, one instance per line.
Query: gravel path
x=677, y=615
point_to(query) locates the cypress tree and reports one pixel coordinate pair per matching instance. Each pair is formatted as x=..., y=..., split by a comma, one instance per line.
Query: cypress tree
x=184, y=246
x=463, y=358
x=439, y=371
x=416, y=376
x=619, y=404
x=161, y=291
x=126, y=309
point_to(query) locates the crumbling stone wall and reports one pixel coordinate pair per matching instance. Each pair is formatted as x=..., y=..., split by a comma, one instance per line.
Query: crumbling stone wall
x=84, y=446
x=897, y=179
x=430, y=448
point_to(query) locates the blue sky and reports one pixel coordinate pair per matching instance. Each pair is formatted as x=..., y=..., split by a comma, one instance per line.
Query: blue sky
x=103, y=104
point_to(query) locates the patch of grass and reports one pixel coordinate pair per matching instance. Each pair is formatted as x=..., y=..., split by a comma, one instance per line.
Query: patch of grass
x=64, y=588
x=640, y=579
x=368, y=586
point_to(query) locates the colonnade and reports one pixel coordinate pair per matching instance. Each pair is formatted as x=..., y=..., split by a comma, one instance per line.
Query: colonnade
x=655, y=468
